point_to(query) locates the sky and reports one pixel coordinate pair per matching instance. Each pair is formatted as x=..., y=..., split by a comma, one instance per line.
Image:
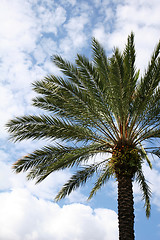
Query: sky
x=31, y=31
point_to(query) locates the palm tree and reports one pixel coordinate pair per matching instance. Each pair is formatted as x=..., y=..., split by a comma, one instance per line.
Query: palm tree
x=99, y=106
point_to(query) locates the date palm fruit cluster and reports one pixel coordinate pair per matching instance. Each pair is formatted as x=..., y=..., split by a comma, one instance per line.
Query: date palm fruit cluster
x=125, y=160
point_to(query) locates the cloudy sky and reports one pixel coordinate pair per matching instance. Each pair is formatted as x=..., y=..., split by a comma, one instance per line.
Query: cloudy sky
x=30, y=32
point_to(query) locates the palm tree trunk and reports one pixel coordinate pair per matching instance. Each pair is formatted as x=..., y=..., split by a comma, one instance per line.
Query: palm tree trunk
x=125, y=208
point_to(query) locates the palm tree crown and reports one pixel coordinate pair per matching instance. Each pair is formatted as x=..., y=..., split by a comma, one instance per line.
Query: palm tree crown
x=98, y=106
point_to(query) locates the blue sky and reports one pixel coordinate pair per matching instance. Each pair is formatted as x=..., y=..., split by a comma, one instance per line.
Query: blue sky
x=30, y=32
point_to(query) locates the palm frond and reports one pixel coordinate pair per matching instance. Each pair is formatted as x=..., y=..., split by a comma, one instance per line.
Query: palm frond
x=104, y=177
x=146, y=87
x=130, y=74
x=116, y=79
x=77, y=180
x=64, y=98
x=40, y=127
x=145, y=156
x=101, y=63
x=68, y=69
x=149, y=118
x=155, y=151
x=77, y=105
x=147, y=134
x=146, y=192
x=152, y=114
x=53, y=158
x=41, y=157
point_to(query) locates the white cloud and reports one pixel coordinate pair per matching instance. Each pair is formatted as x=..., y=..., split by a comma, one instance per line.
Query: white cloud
x=137, y=16
x=76, y=37
x=23, y=24
x=72, y=2
x=100, y=34
x=109, y=14
x=76, y=197
x=18, y=28
x=51, y=18
x=9, y=106
x=26, y=217
x=127, y=16
x=21, y=30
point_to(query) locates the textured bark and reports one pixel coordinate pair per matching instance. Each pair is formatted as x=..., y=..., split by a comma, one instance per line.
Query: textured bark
x=125, y=208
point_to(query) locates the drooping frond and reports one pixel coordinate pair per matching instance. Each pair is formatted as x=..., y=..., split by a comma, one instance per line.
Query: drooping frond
x=146, y=192
x=155, y=151
x=77, y=180
x=106, y=172
x=145, y=156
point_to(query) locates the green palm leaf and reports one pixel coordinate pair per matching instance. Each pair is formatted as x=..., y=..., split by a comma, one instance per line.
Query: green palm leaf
x=145, y=190
x=77, y=180
x=104, y=177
